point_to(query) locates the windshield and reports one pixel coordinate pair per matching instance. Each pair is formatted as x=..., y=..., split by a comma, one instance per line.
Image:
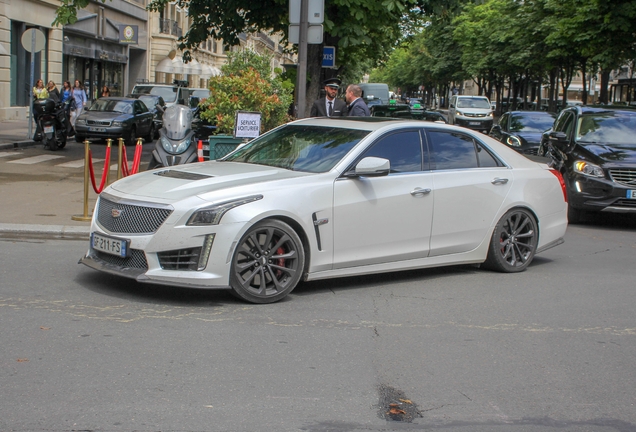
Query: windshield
x=202, y=93
x=531, y=123
x=300, y=148
x=473, y=103
x=611, y=128
x=110, y=105
x=149, y=101
x=169, y=94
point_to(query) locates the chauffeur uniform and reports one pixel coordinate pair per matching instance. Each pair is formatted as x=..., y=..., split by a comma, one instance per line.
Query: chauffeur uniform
x=324, y=107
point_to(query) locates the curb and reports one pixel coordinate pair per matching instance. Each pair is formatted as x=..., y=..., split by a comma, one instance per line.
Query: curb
x=64, y=232
x=17, y=144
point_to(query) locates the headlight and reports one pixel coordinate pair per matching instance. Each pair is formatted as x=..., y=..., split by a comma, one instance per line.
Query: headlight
x=174, y=148
x=513, y=141
x=118, y=124
x=588, y=169
x=491, y=114
x=212, y=215
x=80, y=121
x=459, y=113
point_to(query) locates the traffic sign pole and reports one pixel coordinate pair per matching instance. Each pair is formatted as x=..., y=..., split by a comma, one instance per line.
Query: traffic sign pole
x=301, y=77
x=32, y=84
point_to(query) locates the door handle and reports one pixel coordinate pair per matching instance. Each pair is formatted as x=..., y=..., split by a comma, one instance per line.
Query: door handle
x=420, y=191
x=498, y=180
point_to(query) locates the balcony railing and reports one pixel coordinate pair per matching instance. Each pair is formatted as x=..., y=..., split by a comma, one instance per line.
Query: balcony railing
x=266, y=40
x=168, y=26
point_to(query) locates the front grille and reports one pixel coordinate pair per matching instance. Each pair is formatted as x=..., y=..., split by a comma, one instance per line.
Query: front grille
x=626, y=176
x=136, y=260
x=475, y=115
x=625, y=203
x=98, y=122
x=130, y=218
x=181, y=259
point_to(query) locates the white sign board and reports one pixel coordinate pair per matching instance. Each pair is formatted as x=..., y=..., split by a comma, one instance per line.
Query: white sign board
x=314, y=34
x=316, y=11
x=33, y=35
x=247, y=124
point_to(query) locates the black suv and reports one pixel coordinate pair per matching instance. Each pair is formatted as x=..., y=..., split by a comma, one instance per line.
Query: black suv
x=595, y=150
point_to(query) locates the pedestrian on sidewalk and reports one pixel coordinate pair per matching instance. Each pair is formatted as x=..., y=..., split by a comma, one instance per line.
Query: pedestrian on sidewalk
x=79, y=97
x=66, y=91
x=329, y=106
x=39, y=92
x=105, y=91
x=54, y=93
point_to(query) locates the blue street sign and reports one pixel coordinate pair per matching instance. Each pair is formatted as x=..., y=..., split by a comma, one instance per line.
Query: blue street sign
x=329, y=57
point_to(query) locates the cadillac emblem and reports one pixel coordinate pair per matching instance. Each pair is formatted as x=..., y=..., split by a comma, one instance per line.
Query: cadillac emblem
x=115, y=213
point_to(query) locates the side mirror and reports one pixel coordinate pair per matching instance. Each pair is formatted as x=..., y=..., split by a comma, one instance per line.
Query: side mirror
x=194, y=101
x=371, y=167
x=160, y=108
x=560, y=141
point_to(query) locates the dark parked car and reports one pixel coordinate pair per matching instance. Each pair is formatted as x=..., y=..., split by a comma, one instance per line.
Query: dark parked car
x=156, y=105
x=405, y=111
x=522, y=130
x=114, y=117
x=595, y=150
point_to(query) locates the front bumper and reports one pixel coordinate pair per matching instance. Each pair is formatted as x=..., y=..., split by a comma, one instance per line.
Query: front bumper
x=107, y=132
x=477, y=123
x=595, y=195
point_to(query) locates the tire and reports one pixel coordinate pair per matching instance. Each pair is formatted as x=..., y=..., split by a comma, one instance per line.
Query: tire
x=513, y=243
x=268, y=262
x=79, y=138
x=151, y=134
x=131, y=136
x=51, y=143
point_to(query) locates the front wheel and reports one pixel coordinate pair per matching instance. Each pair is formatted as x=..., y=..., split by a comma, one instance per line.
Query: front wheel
x=513, y=243
x=51, y=143
x=267, y=263
x=132, y=136
x=151, y=134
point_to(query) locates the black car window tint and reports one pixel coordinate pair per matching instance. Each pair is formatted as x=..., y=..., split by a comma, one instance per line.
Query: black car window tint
x=402, y=149
x=503, y=122
x=451, y=150
x=485, y=158
x=559, y=125
x=568, y=126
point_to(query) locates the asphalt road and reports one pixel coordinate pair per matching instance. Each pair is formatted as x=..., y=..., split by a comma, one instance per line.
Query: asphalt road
x=456, y=349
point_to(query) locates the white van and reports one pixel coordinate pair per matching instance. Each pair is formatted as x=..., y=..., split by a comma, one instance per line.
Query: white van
x=473, y=112
x=171, y=93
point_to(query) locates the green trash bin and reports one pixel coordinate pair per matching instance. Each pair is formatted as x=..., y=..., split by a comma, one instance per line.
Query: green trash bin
x=220, y=145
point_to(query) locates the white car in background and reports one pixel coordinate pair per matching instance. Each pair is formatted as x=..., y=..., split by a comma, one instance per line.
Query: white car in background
x=325, y=198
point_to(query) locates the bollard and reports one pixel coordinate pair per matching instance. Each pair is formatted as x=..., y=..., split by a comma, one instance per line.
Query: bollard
x=109, y=144
x=85, y=217
x=120, y=141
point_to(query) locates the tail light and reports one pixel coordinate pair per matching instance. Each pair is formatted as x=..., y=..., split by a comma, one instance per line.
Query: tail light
x=558, y=175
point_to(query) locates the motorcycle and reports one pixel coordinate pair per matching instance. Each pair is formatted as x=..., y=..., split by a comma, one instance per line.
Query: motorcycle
x=51, y=123
x=178, y=138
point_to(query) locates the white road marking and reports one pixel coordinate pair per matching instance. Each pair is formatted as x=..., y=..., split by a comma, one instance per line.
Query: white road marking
x=35, y=159
x=77, y=163
x=10, y=154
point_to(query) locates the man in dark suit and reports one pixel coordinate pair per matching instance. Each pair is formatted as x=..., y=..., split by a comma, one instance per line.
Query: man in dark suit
x=357, y=107
x=329, y=106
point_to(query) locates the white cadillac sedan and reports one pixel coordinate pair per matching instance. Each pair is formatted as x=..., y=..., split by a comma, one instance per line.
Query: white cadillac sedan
x=324, y=198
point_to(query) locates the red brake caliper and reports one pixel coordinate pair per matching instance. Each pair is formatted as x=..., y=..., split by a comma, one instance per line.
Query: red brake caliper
x=281, y=261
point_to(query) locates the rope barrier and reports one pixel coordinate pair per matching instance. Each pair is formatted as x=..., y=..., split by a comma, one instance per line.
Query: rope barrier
x=106, y=168
x=123, y=170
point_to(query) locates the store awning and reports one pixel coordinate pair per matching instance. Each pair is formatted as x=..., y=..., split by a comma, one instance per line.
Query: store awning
x=172, y=66
x=208, y=71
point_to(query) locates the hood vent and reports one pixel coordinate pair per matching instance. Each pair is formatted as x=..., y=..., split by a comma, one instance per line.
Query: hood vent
x=183, y=175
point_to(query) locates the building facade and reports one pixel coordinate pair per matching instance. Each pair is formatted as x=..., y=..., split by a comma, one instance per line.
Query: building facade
x=114, y=44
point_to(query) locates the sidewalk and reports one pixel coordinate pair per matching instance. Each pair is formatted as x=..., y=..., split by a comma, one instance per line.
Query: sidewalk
x=42, y=207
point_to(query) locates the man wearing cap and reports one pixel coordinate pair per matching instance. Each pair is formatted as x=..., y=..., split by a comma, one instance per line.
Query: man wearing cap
x=329, y=106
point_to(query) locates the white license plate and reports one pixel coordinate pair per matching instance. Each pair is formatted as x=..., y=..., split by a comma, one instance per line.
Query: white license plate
x=94, y=129
x=109, y=245
x=474, y=123
x=631, y=194
x=48, y=129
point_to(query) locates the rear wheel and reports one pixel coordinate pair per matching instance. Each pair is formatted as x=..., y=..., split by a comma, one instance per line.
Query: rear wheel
x=51, y=143
x=267, y=263
x=513, y=243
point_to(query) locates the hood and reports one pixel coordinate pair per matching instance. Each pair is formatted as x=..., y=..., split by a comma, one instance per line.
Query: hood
x=529, y=137
x=173, y=184
x=612, y=153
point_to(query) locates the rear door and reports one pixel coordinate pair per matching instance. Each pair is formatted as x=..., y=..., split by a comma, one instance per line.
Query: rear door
x=470, y=185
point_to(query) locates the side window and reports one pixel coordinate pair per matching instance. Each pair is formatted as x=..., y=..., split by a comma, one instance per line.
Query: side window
x=561, y=122
x=452, y=150
x=503, y=122
x=402, y=149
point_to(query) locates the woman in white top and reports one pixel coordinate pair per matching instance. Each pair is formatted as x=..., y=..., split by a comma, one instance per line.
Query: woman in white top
x=79, y=97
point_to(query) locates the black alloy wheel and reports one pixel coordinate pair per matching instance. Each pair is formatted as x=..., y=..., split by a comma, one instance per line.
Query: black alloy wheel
x=267, y=263
x=513, y=243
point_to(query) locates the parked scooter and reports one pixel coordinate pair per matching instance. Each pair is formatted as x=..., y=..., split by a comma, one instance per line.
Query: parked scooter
x=178, y=138
x=51, y=123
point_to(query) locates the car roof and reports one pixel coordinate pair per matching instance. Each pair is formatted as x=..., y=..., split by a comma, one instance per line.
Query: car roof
x=363, y=123
x=530, y=112
x=597, y=109
x=118, y=98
